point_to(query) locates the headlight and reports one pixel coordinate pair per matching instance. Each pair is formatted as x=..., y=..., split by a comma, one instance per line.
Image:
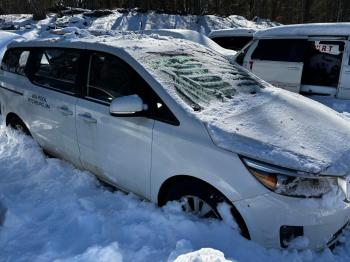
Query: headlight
x=290, y=182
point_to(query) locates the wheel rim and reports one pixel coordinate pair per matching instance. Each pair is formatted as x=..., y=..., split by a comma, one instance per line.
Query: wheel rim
x=197, y=206
x=19, y=127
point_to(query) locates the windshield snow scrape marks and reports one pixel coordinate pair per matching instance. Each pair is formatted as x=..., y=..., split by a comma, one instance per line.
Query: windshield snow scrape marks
x=196, y=83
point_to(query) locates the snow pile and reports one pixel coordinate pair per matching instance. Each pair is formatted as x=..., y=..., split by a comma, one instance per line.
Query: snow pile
x=203, y=255
x=132, y=21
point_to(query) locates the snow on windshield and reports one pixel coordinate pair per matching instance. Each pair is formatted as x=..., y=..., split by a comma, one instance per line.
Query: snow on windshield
x=200, y=77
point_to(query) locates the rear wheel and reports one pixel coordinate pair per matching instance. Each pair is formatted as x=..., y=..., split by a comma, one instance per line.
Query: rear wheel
x=16, y=123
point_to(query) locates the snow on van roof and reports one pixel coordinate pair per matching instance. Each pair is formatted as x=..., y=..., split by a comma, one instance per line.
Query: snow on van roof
x=59, y=35
x=78, y=38
x=232, y=32
x=199, y=69
x=316, y=29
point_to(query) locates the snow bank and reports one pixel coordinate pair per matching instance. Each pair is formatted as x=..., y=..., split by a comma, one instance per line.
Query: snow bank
x=133, y=21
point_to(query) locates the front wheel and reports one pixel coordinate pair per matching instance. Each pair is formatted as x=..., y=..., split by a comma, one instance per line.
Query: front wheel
x=202, y=200
x=199, y=207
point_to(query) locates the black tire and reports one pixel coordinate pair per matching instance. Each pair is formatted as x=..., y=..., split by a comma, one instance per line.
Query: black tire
x=180, y=189
x=187, y=189
x=17, y=124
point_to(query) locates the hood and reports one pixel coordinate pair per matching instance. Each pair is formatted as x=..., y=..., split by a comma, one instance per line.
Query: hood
x=287, y=130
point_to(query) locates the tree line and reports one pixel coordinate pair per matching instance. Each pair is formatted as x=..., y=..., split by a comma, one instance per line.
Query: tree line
x=284, y=11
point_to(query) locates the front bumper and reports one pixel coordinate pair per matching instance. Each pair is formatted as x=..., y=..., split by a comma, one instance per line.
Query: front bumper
x=320, y=220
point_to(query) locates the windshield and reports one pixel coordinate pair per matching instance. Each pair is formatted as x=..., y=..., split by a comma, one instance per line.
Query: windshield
x=200, y=77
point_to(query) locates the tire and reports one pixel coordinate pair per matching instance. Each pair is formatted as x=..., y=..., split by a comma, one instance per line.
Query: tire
x=190, y=194
x=17, y=124
x=184, y=190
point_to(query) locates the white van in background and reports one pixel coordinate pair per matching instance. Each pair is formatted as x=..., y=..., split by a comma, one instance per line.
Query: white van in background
x=232, y=38
x=307, y=58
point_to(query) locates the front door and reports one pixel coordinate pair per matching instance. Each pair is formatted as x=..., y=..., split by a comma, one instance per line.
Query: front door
x=279, y=62
x=116, y=148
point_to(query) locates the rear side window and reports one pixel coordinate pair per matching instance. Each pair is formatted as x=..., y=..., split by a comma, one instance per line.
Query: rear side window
x=287, y=50
x=56, y=68
x=233, y=43
x=15, y=61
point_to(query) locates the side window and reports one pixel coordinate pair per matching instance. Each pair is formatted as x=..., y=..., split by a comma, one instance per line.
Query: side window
x=57, y=68
x=109, y=77
x=15, y=61
x=287, y=50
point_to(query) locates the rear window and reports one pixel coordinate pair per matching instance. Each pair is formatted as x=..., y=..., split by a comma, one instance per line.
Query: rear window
x=15, y=61
x=233, y=43
x=287, y=50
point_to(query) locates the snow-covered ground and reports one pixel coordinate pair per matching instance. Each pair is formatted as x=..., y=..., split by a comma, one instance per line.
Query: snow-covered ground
x=50, y=211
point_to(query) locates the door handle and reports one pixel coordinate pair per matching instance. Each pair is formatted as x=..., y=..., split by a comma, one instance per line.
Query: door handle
x=87, y=118
x=293, y=68
x=65, y=111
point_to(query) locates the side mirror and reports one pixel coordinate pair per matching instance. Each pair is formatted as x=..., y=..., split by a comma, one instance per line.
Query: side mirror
x=126, y=105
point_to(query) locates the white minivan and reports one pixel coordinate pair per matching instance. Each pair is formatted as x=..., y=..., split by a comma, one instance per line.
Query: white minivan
x=306, y=58
x=169, y=119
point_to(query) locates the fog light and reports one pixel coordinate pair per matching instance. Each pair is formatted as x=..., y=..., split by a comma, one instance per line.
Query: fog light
x=288, y=233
